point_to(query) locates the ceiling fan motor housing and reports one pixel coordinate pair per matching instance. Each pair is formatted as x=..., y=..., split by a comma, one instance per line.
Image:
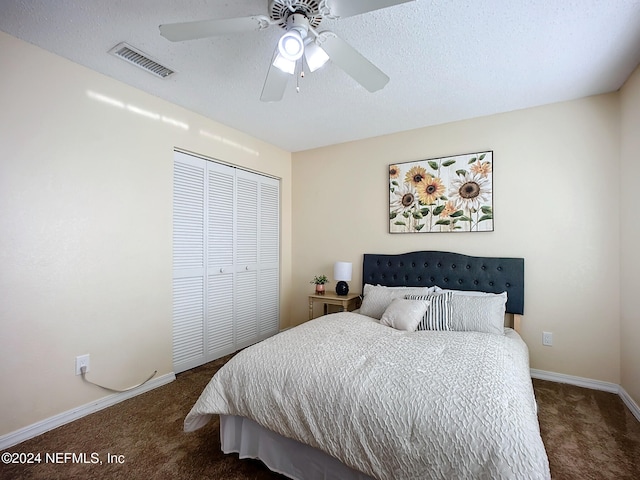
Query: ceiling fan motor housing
x=298, y=22
x=281, y=10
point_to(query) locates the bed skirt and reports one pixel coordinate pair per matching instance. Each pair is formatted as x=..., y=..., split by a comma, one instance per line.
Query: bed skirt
x=282, y=455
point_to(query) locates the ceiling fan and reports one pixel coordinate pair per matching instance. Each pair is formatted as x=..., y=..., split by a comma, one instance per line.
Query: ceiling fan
x=299, y=19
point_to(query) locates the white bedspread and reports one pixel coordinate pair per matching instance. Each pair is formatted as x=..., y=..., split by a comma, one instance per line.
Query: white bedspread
x=394, y=405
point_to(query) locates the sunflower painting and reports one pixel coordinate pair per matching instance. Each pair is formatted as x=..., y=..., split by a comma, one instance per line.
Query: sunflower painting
x=449, y=194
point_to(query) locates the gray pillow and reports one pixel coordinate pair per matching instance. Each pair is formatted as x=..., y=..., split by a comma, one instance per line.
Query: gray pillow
x=377, y=298
x=478, y=313
x=404, y=314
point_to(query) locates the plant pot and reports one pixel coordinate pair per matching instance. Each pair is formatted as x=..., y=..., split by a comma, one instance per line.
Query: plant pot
x=319, y=289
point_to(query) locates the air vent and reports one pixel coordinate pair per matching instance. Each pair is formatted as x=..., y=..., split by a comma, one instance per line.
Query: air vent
x=140, y=59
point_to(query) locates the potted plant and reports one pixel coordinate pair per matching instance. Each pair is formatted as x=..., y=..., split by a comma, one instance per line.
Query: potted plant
x=319, y=281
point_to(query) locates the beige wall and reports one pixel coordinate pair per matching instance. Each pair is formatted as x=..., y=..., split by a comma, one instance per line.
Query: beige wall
x=85, y=222
x=86, y=228
x=630, y=236
x=556, y=197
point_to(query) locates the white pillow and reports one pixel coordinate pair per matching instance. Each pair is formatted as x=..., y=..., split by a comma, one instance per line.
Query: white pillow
x=377, y=298
x=470, y=293
x=404, y=314
x=478, y=313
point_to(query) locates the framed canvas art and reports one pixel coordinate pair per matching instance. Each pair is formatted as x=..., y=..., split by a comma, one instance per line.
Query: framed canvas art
x=448, y=194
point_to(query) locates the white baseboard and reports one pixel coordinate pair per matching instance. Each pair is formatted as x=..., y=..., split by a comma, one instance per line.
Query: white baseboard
x=589, y=383
x=63, y=418
x=577, y=381
x=630, y=403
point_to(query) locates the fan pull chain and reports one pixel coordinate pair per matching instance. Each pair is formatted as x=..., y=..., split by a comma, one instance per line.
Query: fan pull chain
x=298, y=77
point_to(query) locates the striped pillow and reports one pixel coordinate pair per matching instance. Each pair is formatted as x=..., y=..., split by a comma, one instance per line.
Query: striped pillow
x=439, y=311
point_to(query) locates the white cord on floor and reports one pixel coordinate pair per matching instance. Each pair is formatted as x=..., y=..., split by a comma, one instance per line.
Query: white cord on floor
x=83, y=372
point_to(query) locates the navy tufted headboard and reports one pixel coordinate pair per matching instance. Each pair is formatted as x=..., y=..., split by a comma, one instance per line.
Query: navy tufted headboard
x=448, y=270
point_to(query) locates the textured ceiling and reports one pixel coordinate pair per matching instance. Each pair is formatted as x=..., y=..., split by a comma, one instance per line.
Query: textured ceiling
x=448, y=60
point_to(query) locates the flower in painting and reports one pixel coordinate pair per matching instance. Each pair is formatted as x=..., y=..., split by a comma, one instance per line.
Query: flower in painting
x=430, y=189
x=394, y=171
x=415, y=175
x=470, y=190
x=405, y=199
x=448, y=209
x=481, y=168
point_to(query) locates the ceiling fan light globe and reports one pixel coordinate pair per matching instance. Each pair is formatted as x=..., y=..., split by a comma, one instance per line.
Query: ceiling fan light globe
x=291, y=45
x=284, y=64
x=315, y=56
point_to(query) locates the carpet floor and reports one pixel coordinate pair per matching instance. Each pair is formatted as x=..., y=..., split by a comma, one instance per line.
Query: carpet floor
x=588, y=434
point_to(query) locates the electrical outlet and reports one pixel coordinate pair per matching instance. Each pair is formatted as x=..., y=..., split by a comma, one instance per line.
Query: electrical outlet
x=547, y=339
x=82, y=361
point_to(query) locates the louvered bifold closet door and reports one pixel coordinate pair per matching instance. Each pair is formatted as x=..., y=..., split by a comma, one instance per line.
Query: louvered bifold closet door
x=189, y=199
x=226, y=246
x=246, y=291
x=220, y=260
x=269, y=257
x=257, y=257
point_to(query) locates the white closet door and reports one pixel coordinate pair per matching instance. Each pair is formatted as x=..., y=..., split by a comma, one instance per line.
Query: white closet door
x=246, y=291
x=226, y=260
x=269, y=256
x=189, y=198
x=220, y=260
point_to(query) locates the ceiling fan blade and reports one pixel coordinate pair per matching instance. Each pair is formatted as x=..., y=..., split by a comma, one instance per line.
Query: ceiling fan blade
x=275, y=84
x=352, y=62
x=177, y=32
x=349, y=8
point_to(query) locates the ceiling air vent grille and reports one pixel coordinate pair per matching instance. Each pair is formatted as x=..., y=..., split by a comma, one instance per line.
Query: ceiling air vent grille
x=140, y=59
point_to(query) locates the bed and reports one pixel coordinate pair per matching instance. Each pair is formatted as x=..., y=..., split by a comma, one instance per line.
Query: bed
x=424, y=381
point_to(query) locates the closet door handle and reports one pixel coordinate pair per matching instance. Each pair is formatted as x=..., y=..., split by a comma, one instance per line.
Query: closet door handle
x=247, y=267
x=222, y=270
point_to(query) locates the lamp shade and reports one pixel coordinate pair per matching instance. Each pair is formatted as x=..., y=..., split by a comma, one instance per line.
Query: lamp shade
x=342, y=271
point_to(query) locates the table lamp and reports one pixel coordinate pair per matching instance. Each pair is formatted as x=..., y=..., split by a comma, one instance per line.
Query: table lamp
x=342, y=273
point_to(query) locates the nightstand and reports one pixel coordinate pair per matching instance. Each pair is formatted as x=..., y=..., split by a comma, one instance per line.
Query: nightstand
x=348, y=302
